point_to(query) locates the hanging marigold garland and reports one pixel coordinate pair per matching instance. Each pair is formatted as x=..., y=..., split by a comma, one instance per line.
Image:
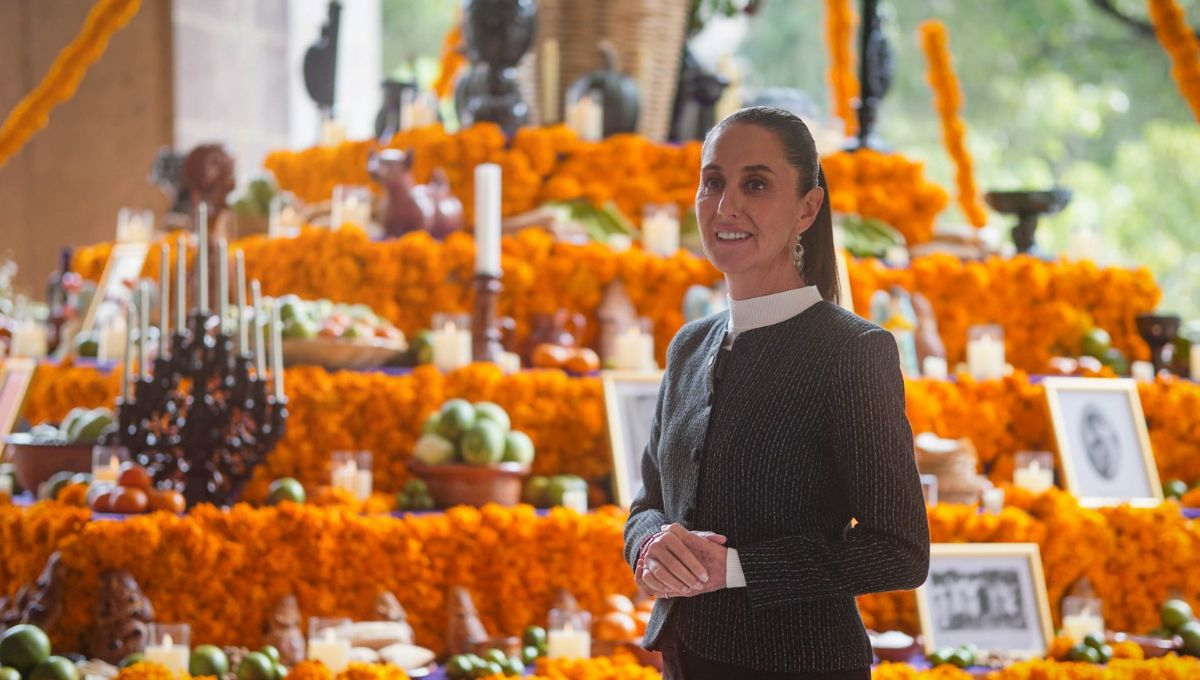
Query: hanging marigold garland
x=947, y=99
x=840, y=20
x=1179, y=41
x=452, y=61
x=33, y=112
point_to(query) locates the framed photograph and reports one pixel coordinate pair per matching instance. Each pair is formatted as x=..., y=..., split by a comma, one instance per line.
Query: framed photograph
x=990, y=594
x=124, y=267
x=1102, y=441
x=629, y=402
x=15, y=376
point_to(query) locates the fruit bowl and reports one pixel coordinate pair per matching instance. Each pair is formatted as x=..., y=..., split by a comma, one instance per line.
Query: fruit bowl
x=337, y=354
x=477, y=485
x=1152, y=647
x=35, y=461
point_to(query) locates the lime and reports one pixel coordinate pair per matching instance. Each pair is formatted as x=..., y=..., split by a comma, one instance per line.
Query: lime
x=1083, y=653
x=1175, y=613
x=495, y=655
x=1175, y=488
x=256, y=666
x=285, y=489
x=434, y=449
x=941, y=657
x=534, y=636
x=430, y=426
x=458, y=668
x=529, y=654
x=534, y=492
x=1190, y=632
x=492, y=668
x=457, y=417
x=403, y=502
x=1094, y=640
x=514, y=667
x=423, y=503
x=23, y=647
x=281, y=671
x=271, y=653
x=483, y=444
x=1105, y=652
x=486, y=410
x=962, y=658
x=208, y=660
x=1115, y=359
x=9, y=673
x=55, y=668
x=518, y=448
x=136, y=657
x=1095, y=342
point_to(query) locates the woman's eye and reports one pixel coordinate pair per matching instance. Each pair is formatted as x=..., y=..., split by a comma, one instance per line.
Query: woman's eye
x=711, y=183
x=756, y=185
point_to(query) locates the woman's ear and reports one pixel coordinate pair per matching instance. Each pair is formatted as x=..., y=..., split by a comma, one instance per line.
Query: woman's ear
x=810, y=207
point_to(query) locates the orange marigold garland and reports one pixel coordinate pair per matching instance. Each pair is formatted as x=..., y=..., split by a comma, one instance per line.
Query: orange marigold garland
x=840, y=20
x=947, y=99
x=32, y=113
x=1181, y=45
x=452, y=61
x=889, y=187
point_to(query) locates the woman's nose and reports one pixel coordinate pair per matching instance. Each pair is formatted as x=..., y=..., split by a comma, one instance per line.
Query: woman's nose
x=730, y=206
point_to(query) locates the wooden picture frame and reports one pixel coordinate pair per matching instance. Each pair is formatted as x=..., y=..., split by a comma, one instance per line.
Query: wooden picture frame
x=630, y=398
x=125, y=263
x=16, y=374
x=992, y=595
x=1103, y=443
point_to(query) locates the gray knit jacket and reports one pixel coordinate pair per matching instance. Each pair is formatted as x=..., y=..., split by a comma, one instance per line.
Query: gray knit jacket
x=805, y=432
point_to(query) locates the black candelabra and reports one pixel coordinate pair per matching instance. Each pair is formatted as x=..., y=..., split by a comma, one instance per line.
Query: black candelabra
x=203, y=419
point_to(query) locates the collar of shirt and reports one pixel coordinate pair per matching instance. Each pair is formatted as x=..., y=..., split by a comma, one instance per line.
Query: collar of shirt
x=768, y=310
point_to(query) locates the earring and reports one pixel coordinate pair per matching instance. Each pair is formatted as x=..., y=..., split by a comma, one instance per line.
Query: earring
x=798, y=255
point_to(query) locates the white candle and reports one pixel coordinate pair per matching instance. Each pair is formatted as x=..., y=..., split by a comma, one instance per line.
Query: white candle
x=549, y=63
x=6, y=486
x=992, y=499
x=586, y=118
x=575, y=499
x=181, y=284
x=164, y=299
x=629, y=350
x=127, y=365
x=1034, y=478
x=173, y=656
x=1078, y=626
x=344, y=474
x=362, y=484
x=510, y=362
x=329, y=650
x=202, y=264
x=260, y=347
x=29, y=339
x=1194, y=359
x=487, y=219
x=109, y=472
x=935, y=368
x=222, y=284
x=451, y=347
x=144, y=332
x=1142, y=371
x=660, y=233
x=985, y=358
x=113, y=337
x=568, y=644
x=277, y=350
x=240, y=265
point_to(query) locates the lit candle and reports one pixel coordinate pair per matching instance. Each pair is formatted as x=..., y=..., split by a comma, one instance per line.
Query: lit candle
x=329, y=650
x=1194, y=360
x=992, y=499
x=144, y=331
x=1078, y=626
x=107, y=472
x=660, y=233
x=169, y=654
x=568, y=643
x=985, y=358
x=260, y=347
x=277, y=350
x=549, y=64
x=181, y=284
x=127, y=365
x=451, y=347
x=1033, y=478
x=575, y=499
x=30, y=339
x=935, y=368
x=1142, y=371
x=239, y=260
x=487, y=219
x=628, y=350
x=202, y=264
x=164, y=299
x=222, y=284
x=344, y=474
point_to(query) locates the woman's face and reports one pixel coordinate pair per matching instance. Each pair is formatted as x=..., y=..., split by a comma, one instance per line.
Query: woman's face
x=747, y=205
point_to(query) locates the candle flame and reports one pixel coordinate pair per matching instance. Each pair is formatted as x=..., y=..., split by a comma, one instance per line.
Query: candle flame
x=167, y=641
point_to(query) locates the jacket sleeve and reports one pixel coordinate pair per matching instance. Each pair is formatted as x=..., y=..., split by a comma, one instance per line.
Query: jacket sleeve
x=646, y=512
x=872, y=445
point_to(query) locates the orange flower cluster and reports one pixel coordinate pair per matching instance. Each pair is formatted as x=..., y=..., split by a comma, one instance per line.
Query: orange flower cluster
x=840, y=20
x=372, y=671
x=148, y=670
x=310, y=670
x=1166, y=668
x=888, y=187
x=599, y=668
x=1135, y=558
x=222, y=571
x=408, y=280
x=540, y=165
x=1180, y=43
x=902, y=671
x=32, y=113
x=1044, y=307
x=452, y=61
x=947, y=99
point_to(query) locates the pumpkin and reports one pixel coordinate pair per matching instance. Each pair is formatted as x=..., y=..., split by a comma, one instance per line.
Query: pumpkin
x=619, y=93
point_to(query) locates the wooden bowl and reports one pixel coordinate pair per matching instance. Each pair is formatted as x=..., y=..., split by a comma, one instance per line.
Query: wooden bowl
x=477, y=485
x=35, y=462
x=335, y=354
x=1152, y=647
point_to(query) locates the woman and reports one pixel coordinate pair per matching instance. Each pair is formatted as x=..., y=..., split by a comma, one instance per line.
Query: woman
x=779, y=477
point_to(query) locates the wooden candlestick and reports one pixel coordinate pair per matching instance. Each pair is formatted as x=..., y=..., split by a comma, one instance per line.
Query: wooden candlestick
x=485, y=333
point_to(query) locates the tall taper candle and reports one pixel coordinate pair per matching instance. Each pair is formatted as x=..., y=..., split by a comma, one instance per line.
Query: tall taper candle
x=487, y=219
x=202, y=264
x=164, y=299
x=277, y=349
x=260, y=347
x=181, y=284
x=222, y=283
x=144, y=331
x=239, y=261
x=127, y=368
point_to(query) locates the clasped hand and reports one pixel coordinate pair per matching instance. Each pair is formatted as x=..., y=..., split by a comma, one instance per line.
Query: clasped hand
x=681, y=563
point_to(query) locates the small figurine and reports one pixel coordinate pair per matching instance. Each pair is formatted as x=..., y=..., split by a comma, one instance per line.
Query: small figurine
x=411, y=206
x=465, y=630
x=283, y=631
x=123, y=618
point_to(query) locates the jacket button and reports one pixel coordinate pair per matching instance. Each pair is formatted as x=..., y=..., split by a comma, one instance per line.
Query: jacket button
x=689, y=514
x=696, y=454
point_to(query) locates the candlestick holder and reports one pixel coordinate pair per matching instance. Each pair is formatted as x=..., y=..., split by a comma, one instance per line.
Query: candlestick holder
x=485, y=333
x=202, y=420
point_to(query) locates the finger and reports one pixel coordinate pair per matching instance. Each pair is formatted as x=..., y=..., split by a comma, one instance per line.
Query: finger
x=677, y=569
x=654, y=585
x=695, y=573
x=710, y=536
x=664, y=576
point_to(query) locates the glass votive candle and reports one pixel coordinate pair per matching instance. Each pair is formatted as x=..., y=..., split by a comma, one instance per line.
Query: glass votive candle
x=326, y=644
x=1034, y=471
x=351, y=471
x=106, y=462
x=991, y=498
x=568, y=634
x=169, y=645
x=1081, y=616
x=351, y=205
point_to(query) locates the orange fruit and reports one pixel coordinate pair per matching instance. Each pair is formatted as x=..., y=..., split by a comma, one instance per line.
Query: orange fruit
x=547, y=355
x=135, y=476
x=642, y=619
x=169, y=500
x=618, y=603
x=614, y=626
x=583, y=360
x=129, y=500
x=103, y=502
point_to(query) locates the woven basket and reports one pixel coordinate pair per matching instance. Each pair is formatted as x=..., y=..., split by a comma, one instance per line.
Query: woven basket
x=648, y=36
